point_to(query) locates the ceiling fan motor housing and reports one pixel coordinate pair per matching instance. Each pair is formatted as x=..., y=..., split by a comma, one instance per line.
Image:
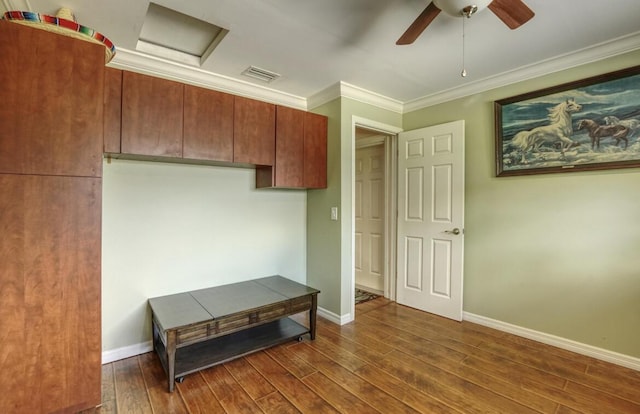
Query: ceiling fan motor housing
x=456, y=8
x=513, y=13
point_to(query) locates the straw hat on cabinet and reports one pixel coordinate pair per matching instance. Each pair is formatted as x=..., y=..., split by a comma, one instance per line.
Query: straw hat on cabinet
x=64, y=23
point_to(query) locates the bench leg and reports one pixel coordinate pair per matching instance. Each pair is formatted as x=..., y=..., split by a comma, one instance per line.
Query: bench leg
x=312, y=316
x=171, y=359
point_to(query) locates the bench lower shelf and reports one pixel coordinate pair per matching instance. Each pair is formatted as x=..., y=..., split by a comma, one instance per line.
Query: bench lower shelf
x=202, y=355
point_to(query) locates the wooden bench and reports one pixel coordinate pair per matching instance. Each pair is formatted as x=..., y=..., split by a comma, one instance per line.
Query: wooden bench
x=198, y=329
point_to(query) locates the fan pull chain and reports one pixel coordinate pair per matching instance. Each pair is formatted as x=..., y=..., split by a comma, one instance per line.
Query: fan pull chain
x=464, y=71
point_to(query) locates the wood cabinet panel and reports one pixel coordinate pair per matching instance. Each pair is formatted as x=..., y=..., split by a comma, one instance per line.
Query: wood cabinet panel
x=208, y=124
x=315, y=150
x=112, y=110
x=289, y=165
x=288, y=168
x=51, y=124
x=50, y=356
x=253, y=131
x=301, y=152
x=151, y=116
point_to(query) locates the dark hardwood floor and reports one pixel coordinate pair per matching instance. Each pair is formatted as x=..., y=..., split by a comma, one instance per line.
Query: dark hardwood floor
x=392, y=359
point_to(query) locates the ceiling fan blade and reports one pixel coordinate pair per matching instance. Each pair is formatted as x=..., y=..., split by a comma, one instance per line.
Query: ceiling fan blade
x=418, y=25
x=514, y=13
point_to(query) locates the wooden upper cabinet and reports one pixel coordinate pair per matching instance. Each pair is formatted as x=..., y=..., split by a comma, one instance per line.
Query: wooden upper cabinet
x=289, y=165
x=253, y=131
x=112, y=110
x=151, y=116
x=315, y=150
x=301, y=151
x=50, y=103
x=208, y=124
x=288, y=169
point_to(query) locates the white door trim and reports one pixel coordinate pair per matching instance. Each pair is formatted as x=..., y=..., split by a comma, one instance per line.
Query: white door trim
x=370, y=141
x=370, y=219
x=391, y=196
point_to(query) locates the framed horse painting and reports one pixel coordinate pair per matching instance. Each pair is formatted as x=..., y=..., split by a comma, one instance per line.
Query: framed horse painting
x=589, y=124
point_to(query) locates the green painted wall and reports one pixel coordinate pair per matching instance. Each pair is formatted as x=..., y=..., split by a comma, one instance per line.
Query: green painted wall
x=351, y=108
x=557, y=253
x=323, y=234
x=329, y=243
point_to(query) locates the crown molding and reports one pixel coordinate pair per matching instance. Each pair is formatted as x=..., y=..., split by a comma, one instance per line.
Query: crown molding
x=590, y=54
x=594, y=53
x=150, y=65
x=346, y=90
x=324, y=96
x=139, y=62
x=372, y=98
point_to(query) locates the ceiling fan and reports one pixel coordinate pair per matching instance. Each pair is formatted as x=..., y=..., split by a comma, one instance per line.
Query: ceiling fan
x=514, y=13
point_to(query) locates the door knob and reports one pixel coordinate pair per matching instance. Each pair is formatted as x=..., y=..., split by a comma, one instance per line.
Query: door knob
x=455, y=231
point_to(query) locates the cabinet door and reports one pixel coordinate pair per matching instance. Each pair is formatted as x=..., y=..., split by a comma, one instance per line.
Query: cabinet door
x=315, y=150
x=289, y=165
x=253, y=131
x=112, y=110
x=50, y=353
x=151, y=116
x=208, y=124
x=50, y=103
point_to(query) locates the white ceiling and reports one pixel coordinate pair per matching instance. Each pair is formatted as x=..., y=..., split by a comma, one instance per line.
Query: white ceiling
x=316, y=44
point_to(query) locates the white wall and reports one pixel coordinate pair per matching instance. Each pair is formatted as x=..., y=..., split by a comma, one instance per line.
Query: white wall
x=169, y=228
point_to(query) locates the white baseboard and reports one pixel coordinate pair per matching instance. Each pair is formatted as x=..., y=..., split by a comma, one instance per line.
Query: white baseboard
x=578, y=347
x=563, y=343
x=137, y=349
x=334, y=317
x=126, y=352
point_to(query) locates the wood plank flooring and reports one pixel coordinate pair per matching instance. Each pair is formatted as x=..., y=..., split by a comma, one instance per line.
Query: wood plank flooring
x=392, y=359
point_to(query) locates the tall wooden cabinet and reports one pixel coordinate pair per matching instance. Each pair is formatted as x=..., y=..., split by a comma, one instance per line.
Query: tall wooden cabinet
x=50, y=221
x=50, y=356
x=48, y=94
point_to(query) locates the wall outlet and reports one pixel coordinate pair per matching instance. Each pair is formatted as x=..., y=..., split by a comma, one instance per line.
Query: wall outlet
x=334, y=213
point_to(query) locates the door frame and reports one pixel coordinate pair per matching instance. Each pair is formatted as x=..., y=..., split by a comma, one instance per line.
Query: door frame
x=391, y=197
x=385, y=141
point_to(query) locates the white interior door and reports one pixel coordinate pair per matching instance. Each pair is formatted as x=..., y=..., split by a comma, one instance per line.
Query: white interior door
x=431, y=219
x=370, y=218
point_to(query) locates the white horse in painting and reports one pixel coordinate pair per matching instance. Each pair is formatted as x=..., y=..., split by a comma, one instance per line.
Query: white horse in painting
x=631, y=123
x=556, y=133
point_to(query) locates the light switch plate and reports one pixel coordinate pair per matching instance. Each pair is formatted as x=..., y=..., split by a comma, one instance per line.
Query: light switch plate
x=334, y=213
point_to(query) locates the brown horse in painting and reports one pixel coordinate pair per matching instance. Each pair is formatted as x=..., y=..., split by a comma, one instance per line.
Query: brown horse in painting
x=596, y=132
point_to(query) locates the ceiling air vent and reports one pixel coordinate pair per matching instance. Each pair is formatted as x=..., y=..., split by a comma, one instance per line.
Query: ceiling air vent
x=260, y=74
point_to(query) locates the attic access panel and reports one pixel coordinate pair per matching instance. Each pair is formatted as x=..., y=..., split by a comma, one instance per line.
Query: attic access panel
x=173, y=35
